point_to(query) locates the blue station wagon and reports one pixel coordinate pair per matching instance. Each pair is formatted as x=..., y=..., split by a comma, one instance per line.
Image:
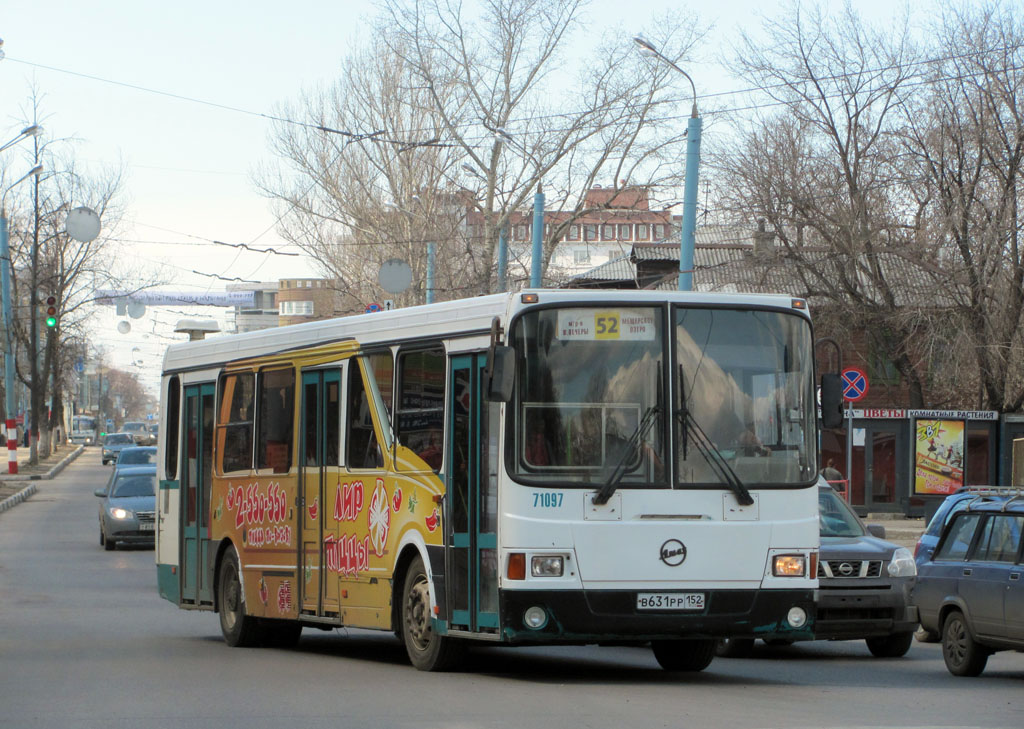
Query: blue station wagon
x=971, y=591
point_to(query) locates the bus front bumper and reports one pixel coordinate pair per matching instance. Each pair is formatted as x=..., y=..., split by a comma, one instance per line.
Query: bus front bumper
x=614, y=615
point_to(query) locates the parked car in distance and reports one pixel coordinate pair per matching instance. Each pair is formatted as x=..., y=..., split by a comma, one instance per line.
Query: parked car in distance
x=865, y=584
x=136, y=455
x=971, y=590
x=127, y=512
x=114, y=443
x=139, y=431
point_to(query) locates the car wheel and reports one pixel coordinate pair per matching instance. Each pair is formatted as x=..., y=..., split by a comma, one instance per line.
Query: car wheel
x=108, y=543
x=963, y=656
x=684, y=655
x=780, y=642
x=427, y=650
x=890, y=646
x=240, y=630
x=922, y=635
x=103, y=539
x=734, y=647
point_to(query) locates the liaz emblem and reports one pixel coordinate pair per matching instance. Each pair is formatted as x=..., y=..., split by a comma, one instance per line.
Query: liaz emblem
x=673, y=553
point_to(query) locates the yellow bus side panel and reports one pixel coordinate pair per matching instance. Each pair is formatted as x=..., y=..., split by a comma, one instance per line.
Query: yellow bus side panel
x=364, y=517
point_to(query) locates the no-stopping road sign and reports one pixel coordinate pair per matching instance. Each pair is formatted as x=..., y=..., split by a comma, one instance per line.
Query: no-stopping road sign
x=855, y=384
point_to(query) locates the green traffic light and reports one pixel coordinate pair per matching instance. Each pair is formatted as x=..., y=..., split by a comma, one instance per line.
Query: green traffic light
x=51, y=321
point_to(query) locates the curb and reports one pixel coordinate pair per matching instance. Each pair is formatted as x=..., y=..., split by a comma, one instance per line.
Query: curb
x=12, y=501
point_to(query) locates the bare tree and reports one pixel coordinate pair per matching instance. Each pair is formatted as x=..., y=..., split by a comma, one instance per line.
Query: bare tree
x=965, y=139
x=446, y=126
x=823, y=167
x=48, y=262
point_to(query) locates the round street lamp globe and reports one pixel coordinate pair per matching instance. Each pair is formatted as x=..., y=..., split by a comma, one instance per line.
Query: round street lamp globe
x=83, y=225
x=395, y=276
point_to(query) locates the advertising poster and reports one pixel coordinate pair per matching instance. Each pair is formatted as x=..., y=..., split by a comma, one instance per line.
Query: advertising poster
x=939, y=456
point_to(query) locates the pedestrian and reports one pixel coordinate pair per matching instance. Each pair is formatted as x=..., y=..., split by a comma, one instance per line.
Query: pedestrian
x=832, y=474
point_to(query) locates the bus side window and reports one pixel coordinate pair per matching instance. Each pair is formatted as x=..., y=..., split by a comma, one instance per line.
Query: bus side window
x=363, y=450
x=419, y=411
x=277, y=413
x=236, y=421
x=171, y=429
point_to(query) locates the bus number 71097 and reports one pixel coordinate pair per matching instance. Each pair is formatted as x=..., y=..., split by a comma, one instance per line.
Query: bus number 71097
x=547, y=499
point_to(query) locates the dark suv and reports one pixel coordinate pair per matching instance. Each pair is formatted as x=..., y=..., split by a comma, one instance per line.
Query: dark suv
x=971, y=591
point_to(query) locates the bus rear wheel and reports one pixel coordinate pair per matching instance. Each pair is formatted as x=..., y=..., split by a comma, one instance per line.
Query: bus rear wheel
x=240, y=630
x=684, y=655
x=427, y=650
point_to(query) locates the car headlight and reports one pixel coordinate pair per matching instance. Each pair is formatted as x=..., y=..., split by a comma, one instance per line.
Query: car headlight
x=119, y=513
x=902, y=564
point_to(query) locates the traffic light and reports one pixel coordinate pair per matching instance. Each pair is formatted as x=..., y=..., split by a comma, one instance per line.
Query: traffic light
x=51, y=311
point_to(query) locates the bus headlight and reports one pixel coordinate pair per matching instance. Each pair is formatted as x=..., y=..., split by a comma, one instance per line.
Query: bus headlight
x=789, y=565
x=535, y=617
x=546, y=566
x=797, y=617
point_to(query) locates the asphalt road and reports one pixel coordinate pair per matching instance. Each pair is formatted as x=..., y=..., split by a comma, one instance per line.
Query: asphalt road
x=85, y=641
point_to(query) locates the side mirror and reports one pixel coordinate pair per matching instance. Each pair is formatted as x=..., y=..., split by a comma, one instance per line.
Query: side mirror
x=831, y=401
x=876, y=530
x=100, y=492
x=501, y=370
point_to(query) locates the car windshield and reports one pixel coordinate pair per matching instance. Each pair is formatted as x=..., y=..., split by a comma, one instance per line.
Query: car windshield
x=135, y=485
x=136, y=455
x=119, y=439
x=590, y=395
x=837, y=518
x=745, y=397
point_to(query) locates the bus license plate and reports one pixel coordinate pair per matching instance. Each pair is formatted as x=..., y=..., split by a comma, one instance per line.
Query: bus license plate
x=670, y=601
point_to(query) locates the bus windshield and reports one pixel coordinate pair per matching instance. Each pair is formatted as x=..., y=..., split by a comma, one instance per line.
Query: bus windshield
x=745, y=397
x=590, y=398
x=83, y=422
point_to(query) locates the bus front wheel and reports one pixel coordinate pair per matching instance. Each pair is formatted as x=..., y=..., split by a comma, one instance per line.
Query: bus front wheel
x=684, y=655
x=427, y=650
x=240, y=630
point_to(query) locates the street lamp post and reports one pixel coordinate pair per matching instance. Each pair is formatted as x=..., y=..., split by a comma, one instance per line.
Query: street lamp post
x=6, y=271
x=537, y=239
x=693, y=130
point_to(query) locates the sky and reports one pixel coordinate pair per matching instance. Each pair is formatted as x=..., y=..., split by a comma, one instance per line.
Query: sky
x=172, y=94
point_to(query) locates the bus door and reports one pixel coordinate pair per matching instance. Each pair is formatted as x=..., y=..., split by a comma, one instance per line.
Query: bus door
x=196, y=481
x=473, y=498
x=319, y=442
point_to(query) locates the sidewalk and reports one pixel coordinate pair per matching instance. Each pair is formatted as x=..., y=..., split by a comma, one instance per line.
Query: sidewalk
x=898, y=528
x=15, y=488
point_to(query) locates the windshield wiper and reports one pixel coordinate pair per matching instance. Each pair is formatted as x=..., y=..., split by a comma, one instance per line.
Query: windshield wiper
x=602, y=496
x=713, y=456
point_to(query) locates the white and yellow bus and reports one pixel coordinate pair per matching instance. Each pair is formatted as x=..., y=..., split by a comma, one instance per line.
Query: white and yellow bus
x=541, y=467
